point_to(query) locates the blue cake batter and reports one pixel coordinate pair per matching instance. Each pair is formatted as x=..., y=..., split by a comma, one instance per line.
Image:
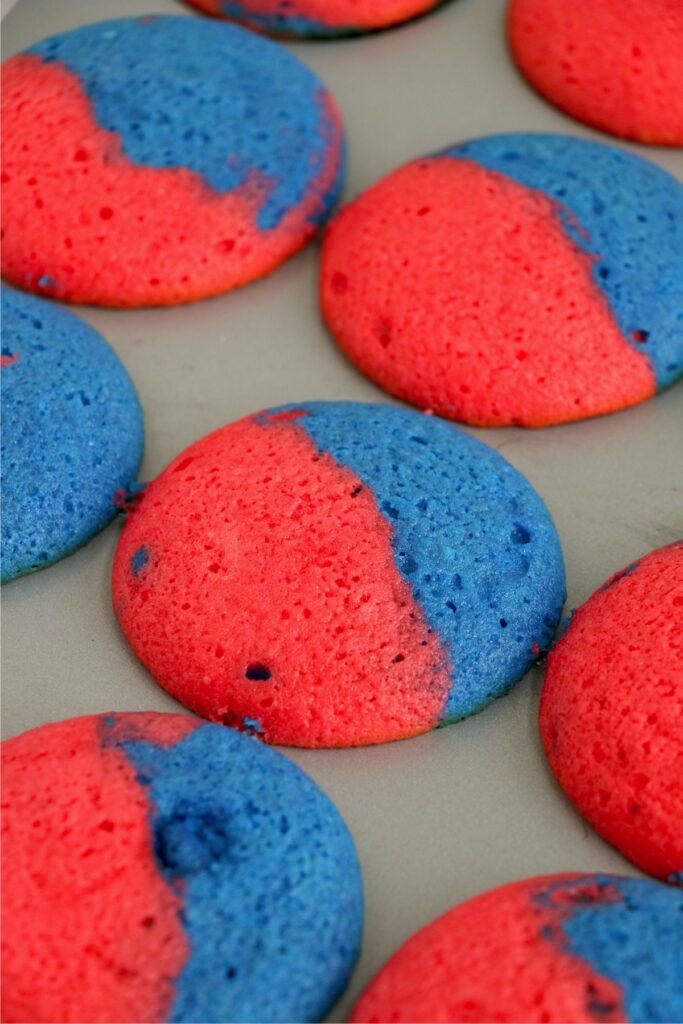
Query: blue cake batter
x=72, y=433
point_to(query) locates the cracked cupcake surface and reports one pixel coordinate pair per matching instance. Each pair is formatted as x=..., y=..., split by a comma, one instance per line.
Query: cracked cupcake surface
x=200, y=158
x=524, y=279
x=334, y=574
x=72, y=433
x=611, y=712
x=156, y=868
x=558, y=948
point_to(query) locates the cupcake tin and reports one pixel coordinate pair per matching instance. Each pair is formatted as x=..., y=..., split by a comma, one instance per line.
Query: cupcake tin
x=452, y=813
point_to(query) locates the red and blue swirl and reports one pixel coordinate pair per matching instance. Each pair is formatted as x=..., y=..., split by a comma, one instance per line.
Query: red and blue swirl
x=334, y=574
x=180, y=872
x=515, y=279
x=625, y=214
x=161, y=159
x=316, y=18
x=597, y=948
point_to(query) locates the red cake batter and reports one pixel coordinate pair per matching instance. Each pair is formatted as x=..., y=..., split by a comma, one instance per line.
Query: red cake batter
x=614, y=64
x=118, y=919
x=612, y=712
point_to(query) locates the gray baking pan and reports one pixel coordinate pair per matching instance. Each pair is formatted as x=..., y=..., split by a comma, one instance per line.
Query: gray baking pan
x=450, y=814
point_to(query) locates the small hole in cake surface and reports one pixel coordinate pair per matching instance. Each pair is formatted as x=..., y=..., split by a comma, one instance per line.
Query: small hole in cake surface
x=640, y=336
x=257, y=672
x=383, y=332
x=339, y=283
x=520, y=535
x=409, y=565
